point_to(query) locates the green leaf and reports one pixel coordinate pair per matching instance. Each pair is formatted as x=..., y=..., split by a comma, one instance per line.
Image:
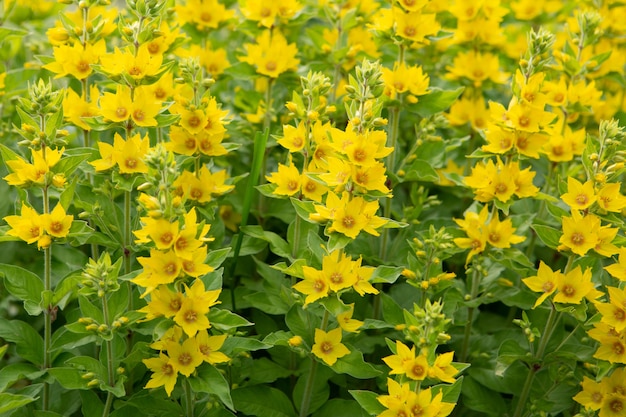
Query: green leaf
x=267, y=302
x=548, y=235
x=262, y=401
x=67, y=339
x=278, y=245
x=68, y=164
x=334, y=305
x=225, y=320
x=339, y=407
x=28, y=343
x=66, y=290
x=435, y=101
x=294, y=270
x=479, y=398
x=386, y=274
x=303, y=209
x=216, y=257
x=236, y=344
x=368, y=401
x=149, y=404
x=24, y=285
x=69, y=378
x=450, y=392
x=208, y=379
x=264, y=371
x=320, y=391
x=10, y=402
x=354, y=365
x=337, y=241
x=91, y=404
x=421, y=170
x=260, y=142
x=13, y=372
x=510, y=351
x=301, y=322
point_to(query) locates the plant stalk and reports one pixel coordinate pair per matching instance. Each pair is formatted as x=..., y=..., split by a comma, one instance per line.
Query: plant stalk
x=470, y=316
x=310, y=380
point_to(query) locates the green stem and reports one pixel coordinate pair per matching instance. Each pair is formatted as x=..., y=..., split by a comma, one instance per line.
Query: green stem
x=310, y=380
x=107, y=405
x=470, y=316
x=188, y=398
x=260, y=140
x=543, y=343
x=127, y=231
x=308, y=390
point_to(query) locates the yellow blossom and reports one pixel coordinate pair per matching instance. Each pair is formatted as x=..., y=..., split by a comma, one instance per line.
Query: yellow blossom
x=271, y=55
x=328, y=346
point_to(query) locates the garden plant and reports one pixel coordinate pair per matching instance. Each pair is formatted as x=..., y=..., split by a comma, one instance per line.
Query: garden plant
x=281, y=208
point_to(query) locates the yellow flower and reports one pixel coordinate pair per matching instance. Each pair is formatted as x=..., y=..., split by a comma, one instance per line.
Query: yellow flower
x=184, y=358
x=214, y=61
x=350, y=219
x=57, y=223
x=544, y=282
x=271, y=55
x=477, y=67
x=371, y=178
x=579, y=233
x=605, y=247
x=294, y=138
x=404, y=79
x=163, y=302
x=579, y=196
x=337, y=271
x=144, y=108
x=163, y=373
x=128, y=154
x=591, y=395
x=499, y=140
x=192, y=120
x=328, y=346
x=525, y=117
x=117, y=107
x=182, y=142
x=614, y=312
x=610, y=198
x=315, y=285
x=574, y=286
x=363, y=275
x=618, y=270
x=76, y=60
x=398, y=395
x=442, y=369
x=192, y=316
x=346, y=322
x=201, y=188
x=76, y=107
x=287, y=180
x=500, y=234
x=203, y=14
x=612, y=343
x=415, y=26
x=137, y=66
x=159, y=268
x=417, y=368
x=195, y=266
x=28, y=226
x=401, y=359
x=312, y=189
x=209, y=347
x=210, y=144
x=25, y=173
